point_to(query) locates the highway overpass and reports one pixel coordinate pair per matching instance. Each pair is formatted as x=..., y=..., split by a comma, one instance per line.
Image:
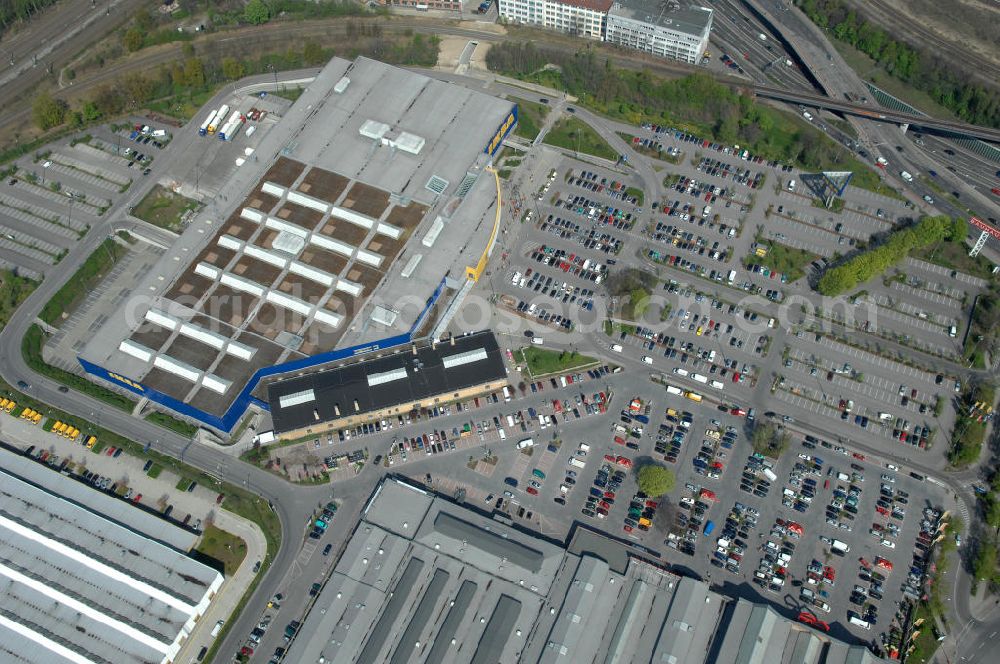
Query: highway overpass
x=878, y=113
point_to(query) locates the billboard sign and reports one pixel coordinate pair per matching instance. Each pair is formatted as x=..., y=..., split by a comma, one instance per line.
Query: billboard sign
x=501, y=133
x=985, y=227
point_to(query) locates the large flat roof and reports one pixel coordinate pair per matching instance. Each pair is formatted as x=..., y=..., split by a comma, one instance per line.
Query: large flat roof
x=425, y=579
x=80, y=587
x=688, y=18
x=405, y=376
x=336, y=234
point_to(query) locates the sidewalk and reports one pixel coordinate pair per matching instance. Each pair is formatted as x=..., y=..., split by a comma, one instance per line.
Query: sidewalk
x=233, y=589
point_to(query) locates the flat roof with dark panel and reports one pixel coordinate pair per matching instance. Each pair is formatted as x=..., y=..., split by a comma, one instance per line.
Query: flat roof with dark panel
x=383, y=382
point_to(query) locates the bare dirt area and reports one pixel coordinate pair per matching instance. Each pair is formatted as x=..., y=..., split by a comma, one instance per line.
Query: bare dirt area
x=963, y=32
x=406, y=217
x=367, y=200
x=324, y=185
x=284, y=172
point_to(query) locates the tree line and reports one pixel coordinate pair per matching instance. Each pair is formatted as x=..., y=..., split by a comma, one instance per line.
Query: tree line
x=191, y=75
x=12, y=11
x=696, y=103
x=897, y=245
x=920, y=67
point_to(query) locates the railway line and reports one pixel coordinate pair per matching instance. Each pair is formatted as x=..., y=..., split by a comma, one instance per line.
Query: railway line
x=911, y=31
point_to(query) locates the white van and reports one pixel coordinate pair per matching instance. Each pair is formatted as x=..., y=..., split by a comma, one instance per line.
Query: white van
x=585, y=447
x=502, y=433
x=510, y=421
x=218, y=628
x=647, y=359
x=791, y=185
x=952, y=331
x=537, y=341
x=616, y=347
x=506, y=393
x=909, y=178
x=527, y=442
x=856, y=620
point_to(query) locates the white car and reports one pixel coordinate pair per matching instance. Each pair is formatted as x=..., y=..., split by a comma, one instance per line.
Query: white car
x=891, y=466
x=928, y=199
x=888, y=478
x=647, y=359
x=889, y=544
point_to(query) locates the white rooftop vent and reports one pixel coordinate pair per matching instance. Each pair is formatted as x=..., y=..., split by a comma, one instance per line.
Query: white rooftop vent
x=411, y=265
x=408, y=142
x=437, y=184
x=341, y=85
x=384, y=316
x=374, y=130
x=468, y=357
x=432, y=234
x=386, y=377
x=289, y=243
x=296, y=398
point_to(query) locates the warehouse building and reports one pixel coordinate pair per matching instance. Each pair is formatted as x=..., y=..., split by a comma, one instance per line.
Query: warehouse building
x=78, y=587
x=668, y=29
x=584, y=18
x=386, y=385
x=362, y=206
x=424, y=579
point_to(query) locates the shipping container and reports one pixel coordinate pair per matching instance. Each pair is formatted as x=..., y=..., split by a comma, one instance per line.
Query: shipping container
x=219, y=119
x=203, y=129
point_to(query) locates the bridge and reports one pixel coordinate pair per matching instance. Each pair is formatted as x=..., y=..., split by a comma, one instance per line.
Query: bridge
x=877, y=113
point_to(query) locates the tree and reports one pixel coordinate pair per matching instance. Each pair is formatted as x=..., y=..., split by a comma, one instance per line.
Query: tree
x=993, y=513
x=48, y=112
x=194, y=72
x=132, y=41
x=256, y=12
x=232, y=68
x=312, y=53
x=984, y=565
x=769, y=440
x=90, y=111
x=655, y=480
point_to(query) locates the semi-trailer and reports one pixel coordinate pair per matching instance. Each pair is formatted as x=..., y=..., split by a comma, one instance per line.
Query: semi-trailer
x=219, y=119
x=203, y=129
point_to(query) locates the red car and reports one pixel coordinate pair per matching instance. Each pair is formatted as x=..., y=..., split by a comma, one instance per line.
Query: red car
x=609, y=495
x=859, y=456
x=247, y=651
x=736, y=376
x=624, y=461
x=610, y=458
x=652, y=504
x=996, y=190
x=628, y=529
x=111, y=450
x=619, y=440
x=532, y=490
x=738, y=412
x=137, y=497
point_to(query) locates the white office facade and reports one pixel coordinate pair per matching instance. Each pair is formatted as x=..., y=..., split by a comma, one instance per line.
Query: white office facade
x=584, y=18
x=644, y=25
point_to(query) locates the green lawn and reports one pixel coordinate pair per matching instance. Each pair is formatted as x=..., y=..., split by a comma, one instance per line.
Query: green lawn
x=13, y=291
x=291, y=94
x=637, y=193
x=227, y=548
x=168, y=422
x=955, y=256
x=530, y=118
x=574, y=134
x=84, y=281
x=786, y=260
x=162, y=207
x=154, y=471
x=871, y=71
x=541, y=362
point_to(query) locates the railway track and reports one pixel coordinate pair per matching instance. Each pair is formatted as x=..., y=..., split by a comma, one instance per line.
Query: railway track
x=916, y=35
